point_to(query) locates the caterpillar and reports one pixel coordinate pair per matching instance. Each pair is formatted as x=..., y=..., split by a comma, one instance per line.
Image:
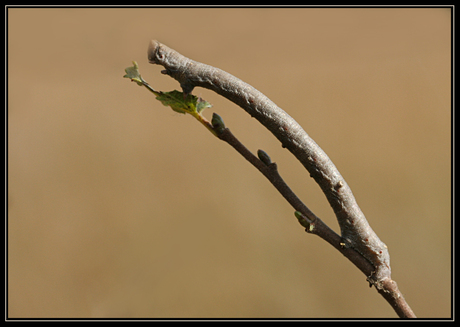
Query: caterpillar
x=356, y=232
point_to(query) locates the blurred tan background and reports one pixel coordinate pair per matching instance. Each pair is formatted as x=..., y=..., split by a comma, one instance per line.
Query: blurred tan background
x=120, y=207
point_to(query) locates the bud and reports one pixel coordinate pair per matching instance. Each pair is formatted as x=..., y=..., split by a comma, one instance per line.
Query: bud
x=264, y=157
x=217, y=123
x=304, y=221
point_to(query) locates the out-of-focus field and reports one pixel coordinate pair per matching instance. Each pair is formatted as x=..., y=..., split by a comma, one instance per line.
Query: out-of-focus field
x=120, y=207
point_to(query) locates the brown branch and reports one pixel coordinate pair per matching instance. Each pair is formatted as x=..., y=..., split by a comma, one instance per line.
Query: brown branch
x=314, y=225
x=356, y=233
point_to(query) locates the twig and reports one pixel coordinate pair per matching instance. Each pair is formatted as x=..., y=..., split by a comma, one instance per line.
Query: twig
x=356, y=233
x=314, y=225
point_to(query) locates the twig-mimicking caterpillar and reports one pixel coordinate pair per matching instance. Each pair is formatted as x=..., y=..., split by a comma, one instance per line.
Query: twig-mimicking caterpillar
x=355, y=230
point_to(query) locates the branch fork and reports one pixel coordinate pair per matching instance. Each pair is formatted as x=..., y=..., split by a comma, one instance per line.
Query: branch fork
x=358, y=242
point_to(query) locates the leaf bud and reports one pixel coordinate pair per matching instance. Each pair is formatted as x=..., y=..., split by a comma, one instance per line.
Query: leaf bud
x=217, y=123
x=264, y=157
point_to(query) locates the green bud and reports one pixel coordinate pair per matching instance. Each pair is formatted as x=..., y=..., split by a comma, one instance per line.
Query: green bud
x=217, y=123
x=264, y=157
x=303, y=221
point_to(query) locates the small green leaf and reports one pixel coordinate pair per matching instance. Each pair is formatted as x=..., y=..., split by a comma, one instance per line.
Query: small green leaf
x=178, y=101
x=202, y=104
x=175, y=100
x=189, y=104
x=133, y=74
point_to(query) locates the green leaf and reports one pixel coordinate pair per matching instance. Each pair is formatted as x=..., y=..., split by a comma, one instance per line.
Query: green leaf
x=189, y=104
x=178, y=101
x=133, y=74
x=202, y=104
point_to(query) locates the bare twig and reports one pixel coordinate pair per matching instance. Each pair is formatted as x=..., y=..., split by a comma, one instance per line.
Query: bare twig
x=357, y=237
x=314, y=225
